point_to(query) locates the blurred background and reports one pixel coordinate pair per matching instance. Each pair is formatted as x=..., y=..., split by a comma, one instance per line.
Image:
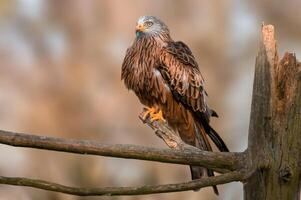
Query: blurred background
x=60, y=63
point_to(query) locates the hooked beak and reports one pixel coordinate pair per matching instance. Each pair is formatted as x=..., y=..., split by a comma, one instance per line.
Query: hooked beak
x=140, y=28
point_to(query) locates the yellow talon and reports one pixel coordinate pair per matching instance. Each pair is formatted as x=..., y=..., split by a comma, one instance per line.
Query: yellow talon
x=149, y=112
x=157, y=116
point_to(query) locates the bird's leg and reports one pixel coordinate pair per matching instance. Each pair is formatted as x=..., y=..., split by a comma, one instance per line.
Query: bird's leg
x=157, y=116
x=148, y=112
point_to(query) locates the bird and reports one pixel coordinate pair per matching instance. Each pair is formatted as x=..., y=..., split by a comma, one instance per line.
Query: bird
x=166, y=78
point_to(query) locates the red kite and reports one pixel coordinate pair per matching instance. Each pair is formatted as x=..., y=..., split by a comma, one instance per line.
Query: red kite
x=166, y=78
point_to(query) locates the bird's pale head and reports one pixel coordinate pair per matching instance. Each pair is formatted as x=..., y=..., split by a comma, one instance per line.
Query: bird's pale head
x=151, y=26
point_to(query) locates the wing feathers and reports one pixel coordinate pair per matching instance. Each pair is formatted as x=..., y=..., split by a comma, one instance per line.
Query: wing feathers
x=181, y=72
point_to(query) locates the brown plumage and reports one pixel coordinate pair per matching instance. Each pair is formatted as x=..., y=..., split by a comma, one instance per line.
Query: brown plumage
x=165, y=76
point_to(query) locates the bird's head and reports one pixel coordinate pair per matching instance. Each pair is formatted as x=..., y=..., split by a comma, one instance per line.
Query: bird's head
x=152, y=26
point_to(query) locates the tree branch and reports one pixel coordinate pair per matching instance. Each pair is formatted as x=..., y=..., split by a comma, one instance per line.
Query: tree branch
x=115, y=191
x=173, y=140
x=163, y=131
x=213, y=160
x=180, y=154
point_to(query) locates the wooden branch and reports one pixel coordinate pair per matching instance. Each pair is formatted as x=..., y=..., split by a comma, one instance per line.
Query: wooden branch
x=116, y=191
x=163, y=131
x=174, y=141
x=180, y=154
x=213, y=160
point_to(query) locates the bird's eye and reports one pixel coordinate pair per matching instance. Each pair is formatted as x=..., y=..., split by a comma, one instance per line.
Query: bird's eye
x=148, y=23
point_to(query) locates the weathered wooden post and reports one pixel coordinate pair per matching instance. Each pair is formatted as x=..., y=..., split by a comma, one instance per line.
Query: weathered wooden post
x=274, y=147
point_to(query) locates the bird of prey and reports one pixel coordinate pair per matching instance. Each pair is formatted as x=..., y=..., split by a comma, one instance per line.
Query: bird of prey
x=166, y=78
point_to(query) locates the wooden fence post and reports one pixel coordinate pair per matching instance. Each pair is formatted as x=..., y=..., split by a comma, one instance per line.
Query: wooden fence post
x=274, y=145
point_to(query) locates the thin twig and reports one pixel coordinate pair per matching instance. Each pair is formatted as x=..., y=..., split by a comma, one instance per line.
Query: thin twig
x=115, y=191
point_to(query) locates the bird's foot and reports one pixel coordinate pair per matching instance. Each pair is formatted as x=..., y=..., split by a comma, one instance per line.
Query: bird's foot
x=148, y=112
x=157, y=116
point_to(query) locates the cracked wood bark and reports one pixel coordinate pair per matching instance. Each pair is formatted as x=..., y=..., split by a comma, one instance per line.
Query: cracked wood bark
x=275, y=126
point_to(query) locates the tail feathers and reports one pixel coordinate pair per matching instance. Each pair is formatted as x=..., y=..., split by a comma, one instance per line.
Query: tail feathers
x=218, y=141
x=211, y=173
x=198, y=172
x=202, y=129
x=213, y=113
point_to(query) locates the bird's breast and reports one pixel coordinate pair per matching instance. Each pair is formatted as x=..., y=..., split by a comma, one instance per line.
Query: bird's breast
x=140, y=72
x=141, y=69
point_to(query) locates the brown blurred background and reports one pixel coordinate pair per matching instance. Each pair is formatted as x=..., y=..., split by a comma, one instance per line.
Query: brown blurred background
x=60, y=76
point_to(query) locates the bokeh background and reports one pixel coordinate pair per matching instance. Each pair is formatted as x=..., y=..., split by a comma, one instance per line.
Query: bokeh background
x=60, y=63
